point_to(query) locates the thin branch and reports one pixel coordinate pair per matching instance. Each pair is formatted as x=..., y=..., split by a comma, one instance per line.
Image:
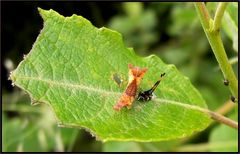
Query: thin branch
x=203, y=12
x=216, y=43
x=232, y=61
x=226, y=107
x=215, y=116
x=220, y=118
x=219, y=14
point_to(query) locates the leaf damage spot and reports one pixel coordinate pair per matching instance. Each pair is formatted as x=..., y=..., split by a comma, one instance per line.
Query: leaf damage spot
x=118, y=79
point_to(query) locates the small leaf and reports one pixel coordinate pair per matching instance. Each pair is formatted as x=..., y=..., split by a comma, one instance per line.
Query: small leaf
x=70, y=68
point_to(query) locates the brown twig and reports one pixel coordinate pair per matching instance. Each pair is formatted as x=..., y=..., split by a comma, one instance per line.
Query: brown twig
x=220, y=118
x=214, y=115
x=211, y=29
x=225, y=108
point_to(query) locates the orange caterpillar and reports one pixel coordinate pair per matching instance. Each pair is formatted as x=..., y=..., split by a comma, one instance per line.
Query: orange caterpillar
x=135, y=76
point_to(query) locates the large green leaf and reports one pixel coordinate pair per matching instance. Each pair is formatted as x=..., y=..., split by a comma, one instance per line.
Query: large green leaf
x=70, y=67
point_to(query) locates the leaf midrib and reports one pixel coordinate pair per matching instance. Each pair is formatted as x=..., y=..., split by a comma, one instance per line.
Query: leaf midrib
x=106, y=92
x=71, y=85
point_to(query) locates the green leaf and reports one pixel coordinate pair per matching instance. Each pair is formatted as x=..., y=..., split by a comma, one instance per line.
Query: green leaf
x=70, y=67
x=224, y=138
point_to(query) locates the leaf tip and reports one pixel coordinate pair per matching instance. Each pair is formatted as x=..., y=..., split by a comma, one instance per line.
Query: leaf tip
x=42, y=12
x=40, y=9
x=115, y=34
x=45, y=14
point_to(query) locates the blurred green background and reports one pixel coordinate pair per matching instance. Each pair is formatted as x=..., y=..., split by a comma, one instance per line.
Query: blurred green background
x=170, y=30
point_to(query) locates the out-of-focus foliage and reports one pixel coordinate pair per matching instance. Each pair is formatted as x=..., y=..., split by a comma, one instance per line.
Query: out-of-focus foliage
x=34, y=129
x=225, y=137
x=174, y=33
x=115, y=146
x=137, y=25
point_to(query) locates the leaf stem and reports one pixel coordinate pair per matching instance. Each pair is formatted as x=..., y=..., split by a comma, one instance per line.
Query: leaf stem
x=219, y=14
x=216, y=43
x=203, y=13
x=232, y=61
x=215, y=116
x=226, y=107
x=220, y=118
